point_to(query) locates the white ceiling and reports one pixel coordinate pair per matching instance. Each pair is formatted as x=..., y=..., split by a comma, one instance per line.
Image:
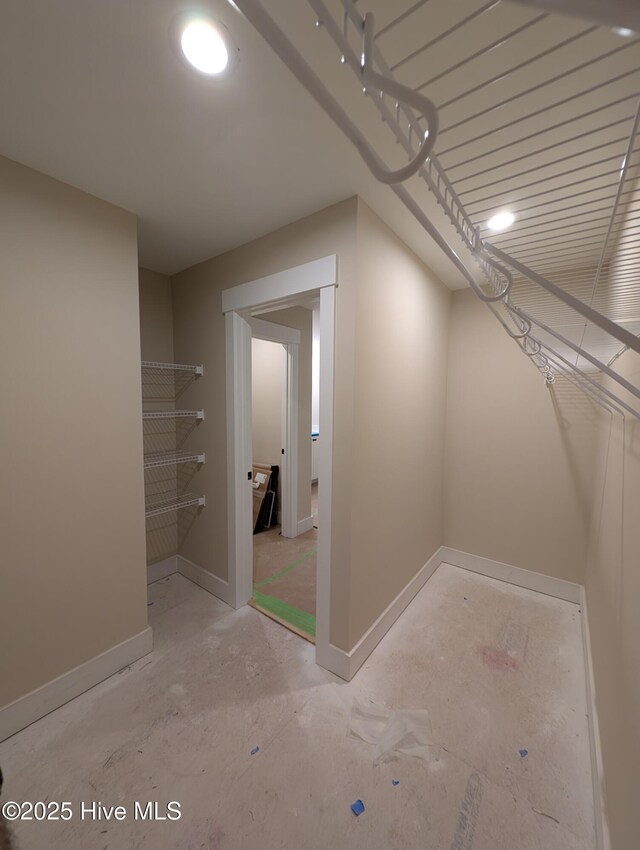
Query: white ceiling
x=93, y=93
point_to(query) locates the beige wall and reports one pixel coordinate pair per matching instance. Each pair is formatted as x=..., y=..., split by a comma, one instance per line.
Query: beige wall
x=266, y=401
x=156, y=316
x=71, y=500
x=199, y=338
x=399, y=391
x=613, y=591
x=519, y=456
x=389, y=402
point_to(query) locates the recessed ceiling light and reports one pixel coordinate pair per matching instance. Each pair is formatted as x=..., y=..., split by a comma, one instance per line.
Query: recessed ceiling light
x=204, y=47
x=623, y=31
x=501, y=220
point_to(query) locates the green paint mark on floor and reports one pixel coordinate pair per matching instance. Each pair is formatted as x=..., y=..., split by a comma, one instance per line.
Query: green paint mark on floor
x=300, y=619
x=287, y=569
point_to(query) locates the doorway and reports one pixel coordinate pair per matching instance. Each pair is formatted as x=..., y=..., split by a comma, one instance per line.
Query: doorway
x=239, y=304
x=284, y=540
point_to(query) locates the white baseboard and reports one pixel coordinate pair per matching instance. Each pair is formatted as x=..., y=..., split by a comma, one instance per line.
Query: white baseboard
x=31, y=707
x=334, y=659
x=346, y=664
x=162, y=569
x=557, y=587
x=204, y=579
x=305, y=524
x=603, y=842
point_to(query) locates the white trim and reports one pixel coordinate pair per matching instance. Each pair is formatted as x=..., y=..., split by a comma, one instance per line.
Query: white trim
x=206, y=580
x=346, y=664
x=325, y=653
x=272, y=332
x=320, y=274
x=603, y=841
x=539, y=582
x=239, y=461
x=31, y=707
x=162, y=569
x=305, y=525
x=282, y=285
x=290, y=459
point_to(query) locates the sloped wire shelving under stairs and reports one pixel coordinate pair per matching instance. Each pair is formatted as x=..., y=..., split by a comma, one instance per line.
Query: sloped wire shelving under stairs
x=469, y=108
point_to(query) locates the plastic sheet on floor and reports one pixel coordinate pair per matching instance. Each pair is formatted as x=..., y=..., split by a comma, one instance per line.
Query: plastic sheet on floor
x=405, y=731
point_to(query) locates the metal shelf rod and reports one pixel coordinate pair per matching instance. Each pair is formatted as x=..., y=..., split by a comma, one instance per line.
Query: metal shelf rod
x=157, y=459
x=541, y=111
x=616, y=157
x=545, y=83
x=172, y=367
x=487, y=6
x=591, y=132
x=176, y=503
x=484, y=50
x=173, y=414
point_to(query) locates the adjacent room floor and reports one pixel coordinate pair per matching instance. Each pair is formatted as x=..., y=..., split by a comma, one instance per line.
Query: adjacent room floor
x=231, y=717
x=284, y=576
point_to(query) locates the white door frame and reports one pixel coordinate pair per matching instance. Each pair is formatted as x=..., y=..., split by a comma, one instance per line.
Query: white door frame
x=280, y=288
x=289, y=339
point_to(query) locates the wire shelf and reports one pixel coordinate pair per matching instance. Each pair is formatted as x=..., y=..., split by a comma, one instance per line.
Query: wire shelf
x=172, y=502
x=158, y=459
x=172, y=367
x=535, y=112
x=173, y=414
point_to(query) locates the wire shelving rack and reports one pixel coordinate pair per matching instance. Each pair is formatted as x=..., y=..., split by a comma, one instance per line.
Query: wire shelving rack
x=171, y=502
x=500, y=105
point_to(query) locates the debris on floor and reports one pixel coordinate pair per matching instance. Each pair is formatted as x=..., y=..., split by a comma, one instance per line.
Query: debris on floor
x=255, y=750
x=357, y=808
x=406, y=731
x=523, y=753
x=395, y=782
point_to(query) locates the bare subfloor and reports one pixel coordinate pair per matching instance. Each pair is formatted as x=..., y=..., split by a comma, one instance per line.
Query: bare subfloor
x=499, y=669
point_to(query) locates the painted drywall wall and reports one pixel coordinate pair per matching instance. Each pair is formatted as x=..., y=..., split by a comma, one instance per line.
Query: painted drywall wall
x=401, y=337
x=156, y=316
x=389, y=402
x=301, y=318
x=613, y=591
x=159, y=391
x=519, y=456
x=266, y=400
x=199, y=338
x=71, y=502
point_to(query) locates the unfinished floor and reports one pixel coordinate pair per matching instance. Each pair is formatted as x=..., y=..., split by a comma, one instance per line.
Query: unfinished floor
x=284, y=579
x=500, y=670
x=284, y=575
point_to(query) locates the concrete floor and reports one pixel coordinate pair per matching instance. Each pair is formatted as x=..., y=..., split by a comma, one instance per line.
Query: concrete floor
x=499, y=669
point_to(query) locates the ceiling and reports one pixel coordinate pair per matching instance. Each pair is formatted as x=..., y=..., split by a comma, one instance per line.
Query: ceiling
x=93, y=93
